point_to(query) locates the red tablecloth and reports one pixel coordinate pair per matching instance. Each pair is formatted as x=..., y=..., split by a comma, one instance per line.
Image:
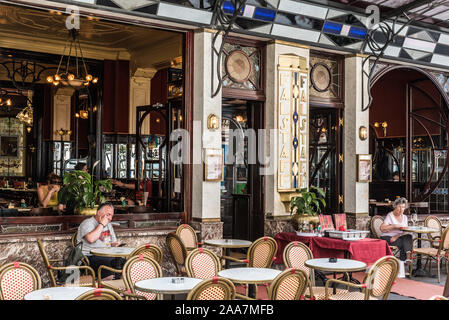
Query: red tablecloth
x=365, y=250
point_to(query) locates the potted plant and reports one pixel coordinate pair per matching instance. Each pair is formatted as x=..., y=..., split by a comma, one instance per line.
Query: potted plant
x=306, y=206
x=81, y=193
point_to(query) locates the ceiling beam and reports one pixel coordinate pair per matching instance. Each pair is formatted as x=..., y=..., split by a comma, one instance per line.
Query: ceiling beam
x=405, y=8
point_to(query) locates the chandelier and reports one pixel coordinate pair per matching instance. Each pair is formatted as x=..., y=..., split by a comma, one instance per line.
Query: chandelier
x=84, y=104
x=26, y=116
x=77, y=76
x=4, y=100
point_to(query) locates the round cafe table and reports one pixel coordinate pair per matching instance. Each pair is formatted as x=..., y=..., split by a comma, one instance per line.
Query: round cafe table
x=250, y=276
x=113, y=252
x=57, y=293
x=167, y=285
x=340, y=266
x=227, y=245
x=419, y=272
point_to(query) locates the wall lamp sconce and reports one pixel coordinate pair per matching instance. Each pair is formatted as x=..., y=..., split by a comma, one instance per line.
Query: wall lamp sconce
x=213, y=122
x=383, y=124
x=363, y=133
x=63, y=132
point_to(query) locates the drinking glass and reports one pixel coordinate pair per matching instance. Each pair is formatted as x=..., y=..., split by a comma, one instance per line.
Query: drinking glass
x=414, y=218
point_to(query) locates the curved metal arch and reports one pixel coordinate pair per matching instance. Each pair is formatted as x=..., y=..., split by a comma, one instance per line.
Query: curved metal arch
x=445, y=105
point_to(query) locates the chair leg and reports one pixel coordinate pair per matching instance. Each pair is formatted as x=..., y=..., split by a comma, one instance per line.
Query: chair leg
x=438, y=266
x=411, y=267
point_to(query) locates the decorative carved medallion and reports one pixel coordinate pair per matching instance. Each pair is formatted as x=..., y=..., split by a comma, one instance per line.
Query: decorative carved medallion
x=320, y=76
x=238, y=66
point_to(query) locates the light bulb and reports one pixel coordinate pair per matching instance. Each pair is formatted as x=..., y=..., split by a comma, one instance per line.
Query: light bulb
x=71, y=77
x=86, y=83
x=77, y=115
x=50, y=79
x=95, y=80
x=57, y=77
x=8, y=102
x=56, y=83
x=95, y=109
x=28, y=129
x=89, y=77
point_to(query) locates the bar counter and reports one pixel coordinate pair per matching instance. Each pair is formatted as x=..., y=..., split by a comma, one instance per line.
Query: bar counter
x=134, y=230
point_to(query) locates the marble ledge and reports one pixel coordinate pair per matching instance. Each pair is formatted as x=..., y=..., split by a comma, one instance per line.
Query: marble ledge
x=10, y=238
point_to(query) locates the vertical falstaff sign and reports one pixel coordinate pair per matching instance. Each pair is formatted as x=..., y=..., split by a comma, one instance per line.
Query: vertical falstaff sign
x=292, y=123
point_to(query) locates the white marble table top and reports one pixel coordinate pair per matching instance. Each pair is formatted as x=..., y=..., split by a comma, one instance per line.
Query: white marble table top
x=250, y=275
x=57, y=293
x=342, y=265
x=419, y=229
x=228, y=243
x=112, y=251
x=166, y=286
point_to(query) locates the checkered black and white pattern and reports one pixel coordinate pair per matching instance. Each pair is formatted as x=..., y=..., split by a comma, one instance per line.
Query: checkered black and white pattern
x=298, y=21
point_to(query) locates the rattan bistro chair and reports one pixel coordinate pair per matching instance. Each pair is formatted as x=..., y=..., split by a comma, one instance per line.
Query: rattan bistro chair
x=261, y=253
x=291, y=284
x=118, y=285
x=435, y=223
x=202, y=264
x=433, y=253
x=83, y=280
x=375, y=224
x=139, y=268
x=216, y=288
x=376, y=284
x=100, y=294
x=188, y=236
x=178, y=252
x=295, y=255
x=17, y=279
x=149, y=250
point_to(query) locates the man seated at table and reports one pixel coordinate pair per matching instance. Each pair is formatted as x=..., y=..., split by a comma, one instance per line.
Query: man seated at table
x=392, y=232
x=97, y=232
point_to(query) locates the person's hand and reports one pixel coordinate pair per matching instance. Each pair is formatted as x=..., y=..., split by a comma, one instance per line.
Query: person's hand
x=393, y=239
x=114, y=244
x=56, y=188
x=104, y=220
x=396, y=226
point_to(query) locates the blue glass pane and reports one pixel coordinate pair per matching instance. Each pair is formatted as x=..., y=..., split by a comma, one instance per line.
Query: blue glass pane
x=229, y=8
x=264, y=14
x=358, y=33
x=332, y=27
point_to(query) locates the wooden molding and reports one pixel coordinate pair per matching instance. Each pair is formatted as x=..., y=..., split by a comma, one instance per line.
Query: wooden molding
x=291, y=44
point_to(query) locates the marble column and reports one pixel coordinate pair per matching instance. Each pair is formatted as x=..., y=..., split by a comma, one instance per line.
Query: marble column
x=140, y=91
x=206, y=210
x=61, y=112
x=356, y=194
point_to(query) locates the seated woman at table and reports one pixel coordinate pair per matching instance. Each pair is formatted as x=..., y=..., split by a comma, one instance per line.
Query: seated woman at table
x=392, y=233
x=81, y=166
x=48, y=193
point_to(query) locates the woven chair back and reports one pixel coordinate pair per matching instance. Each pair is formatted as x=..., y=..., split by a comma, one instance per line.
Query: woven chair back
x=213, y=289
x=444, y=244
x=262, y=252
x=296, y=254
x=47, y=263
x=202, y=264
x=100, y=294
x=148, y=250
x=434, y=223
x=177, y=250
x=381, y=276
x=340, y=220
x=187, y=235
x=139, y=268
x=326, y=222
x=291, y=284
x=376, y=222
x=74, y=239
x=17, y=279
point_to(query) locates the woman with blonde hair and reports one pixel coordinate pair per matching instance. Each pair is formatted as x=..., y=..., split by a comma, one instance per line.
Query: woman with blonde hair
x=48, y=193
